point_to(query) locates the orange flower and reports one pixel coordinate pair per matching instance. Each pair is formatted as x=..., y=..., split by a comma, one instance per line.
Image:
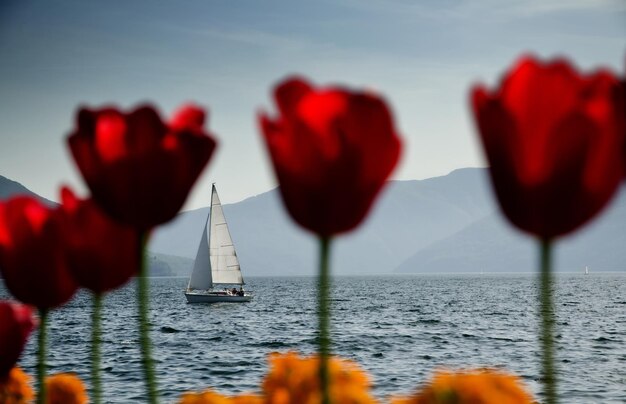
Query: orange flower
x=15, y=387
x=65, y=388
x=295, y=380
x=211, y=397
x=475, y=387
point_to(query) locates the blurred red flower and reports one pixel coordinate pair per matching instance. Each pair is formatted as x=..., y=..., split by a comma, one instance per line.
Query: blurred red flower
x=138, y=168
x=31, y=253
x=332, y=151
x=16, y=323
x=554, y=141
x=102, y=254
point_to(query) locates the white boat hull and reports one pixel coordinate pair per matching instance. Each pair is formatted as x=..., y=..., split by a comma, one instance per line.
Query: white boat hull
x=215, y=297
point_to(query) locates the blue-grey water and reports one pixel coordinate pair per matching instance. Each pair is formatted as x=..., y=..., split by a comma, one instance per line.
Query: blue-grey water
x=399, y=329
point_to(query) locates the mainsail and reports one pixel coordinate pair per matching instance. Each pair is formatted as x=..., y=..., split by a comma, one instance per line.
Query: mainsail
x=216, y=259
x=224, y=261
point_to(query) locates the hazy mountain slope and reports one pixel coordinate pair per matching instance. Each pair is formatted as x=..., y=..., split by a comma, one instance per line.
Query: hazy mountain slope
x=486, y=245
x=176, y=266
x=411, y=215
x=601, y=245
x=9, y=188
x=492, y=245
x=408, y=216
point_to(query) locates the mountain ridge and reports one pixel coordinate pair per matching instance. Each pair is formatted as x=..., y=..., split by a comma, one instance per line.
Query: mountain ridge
x=260, y=226
x=449, y=223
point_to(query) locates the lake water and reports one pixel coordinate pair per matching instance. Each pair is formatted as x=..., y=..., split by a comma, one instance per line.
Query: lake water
x=397, y=328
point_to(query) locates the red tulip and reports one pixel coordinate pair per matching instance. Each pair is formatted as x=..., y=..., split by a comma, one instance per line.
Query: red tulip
x=553, y=140
x=16, y=323
x=138, y=168
x=332, y=150
x=31, y=253
x=102, y=254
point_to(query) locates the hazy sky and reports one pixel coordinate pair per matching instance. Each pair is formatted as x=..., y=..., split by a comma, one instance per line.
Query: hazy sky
x=226, y=55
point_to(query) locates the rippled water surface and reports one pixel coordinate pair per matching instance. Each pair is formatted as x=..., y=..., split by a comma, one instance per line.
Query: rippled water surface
x=399, y=329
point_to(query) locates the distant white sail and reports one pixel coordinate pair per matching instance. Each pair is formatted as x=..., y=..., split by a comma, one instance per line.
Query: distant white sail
x=224, y=262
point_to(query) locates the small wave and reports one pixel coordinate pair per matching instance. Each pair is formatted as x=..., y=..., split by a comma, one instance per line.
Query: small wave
x=602, y=347
x=428, y=321
x=506, y=339
x=377, y=355
x=227, y=372
x=310, y=341
x=231, y=364
x=604, y=339
x=168, y=330
x=271, y=344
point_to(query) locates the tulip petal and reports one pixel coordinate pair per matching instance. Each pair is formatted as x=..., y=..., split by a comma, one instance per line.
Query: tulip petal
x=190, y=118
x=110, y=133
x=289, y=93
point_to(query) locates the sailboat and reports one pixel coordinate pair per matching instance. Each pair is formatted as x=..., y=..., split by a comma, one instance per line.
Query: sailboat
x=216, y=263
x=586, y=270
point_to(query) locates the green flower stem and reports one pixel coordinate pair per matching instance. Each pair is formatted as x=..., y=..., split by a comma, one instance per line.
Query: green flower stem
x=324, y=317
x=144, y=332
x=547, y=324
x=96, y=393
x=41, y=356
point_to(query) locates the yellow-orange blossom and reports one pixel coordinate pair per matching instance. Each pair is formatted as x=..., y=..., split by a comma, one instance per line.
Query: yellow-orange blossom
x=475, y=387
x=65, y=388
x=15, y=387
x=294, y=379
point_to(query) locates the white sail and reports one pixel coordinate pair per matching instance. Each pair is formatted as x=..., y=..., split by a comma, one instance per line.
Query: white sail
x=201, y=275
x=224, y=261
